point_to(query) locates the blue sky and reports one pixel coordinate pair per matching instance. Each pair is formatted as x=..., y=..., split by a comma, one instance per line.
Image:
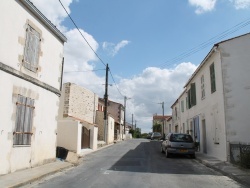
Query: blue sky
x=139, y=39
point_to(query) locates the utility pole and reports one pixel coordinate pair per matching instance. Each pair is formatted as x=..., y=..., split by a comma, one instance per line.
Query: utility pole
x=163, y=119
x=125, y=100
x=163, y=126
x=106, y=104
x=132, y=121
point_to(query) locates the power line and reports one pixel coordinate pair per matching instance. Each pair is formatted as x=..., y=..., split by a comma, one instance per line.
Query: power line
x=115, y=83
x=82, y=34
x=209, y=42
x=84, y=71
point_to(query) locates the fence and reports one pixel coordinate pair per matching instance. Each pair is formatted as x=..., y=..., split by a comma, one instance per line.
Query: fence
x=240, y=154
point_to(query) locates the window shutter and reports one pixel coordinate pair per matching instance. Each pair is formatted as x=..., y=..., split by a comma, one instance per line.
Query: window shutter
x=28, y=121
x=212, y=78
x=31, y=52
x=24, y=117
x=193, y=94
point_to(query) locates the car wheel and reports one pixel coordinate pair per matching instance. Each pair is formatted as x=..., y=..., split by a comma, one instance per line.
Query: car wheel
x=192, y=156
x=162, y=151
x=168, y=155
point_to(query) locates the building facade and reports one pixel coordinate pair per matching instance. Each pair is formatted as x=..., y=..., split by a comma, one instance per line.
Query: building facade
x=77, y=116
x=30, y=76
x=217, y=98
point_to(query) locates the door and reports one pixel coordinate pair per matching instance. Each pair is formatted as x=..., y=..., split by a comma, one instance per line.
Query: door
x=85, y=138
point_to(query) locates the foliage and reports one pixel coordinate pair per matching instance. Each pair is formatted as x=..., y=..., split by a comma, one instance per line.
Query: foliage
x=144, y=135
x=157, y=127
x=136, y=133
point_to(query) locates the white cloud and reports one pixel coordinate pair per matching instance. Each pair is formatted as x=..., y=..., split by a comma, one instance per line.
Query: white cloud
x=53, y=10
x=153, y=86
x=203, y=6
x=112, y=48
x=241, y=4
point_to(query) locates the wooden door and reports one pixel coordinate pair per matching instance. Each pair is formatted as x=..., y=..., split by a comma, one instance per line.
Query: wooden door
x=85, y=138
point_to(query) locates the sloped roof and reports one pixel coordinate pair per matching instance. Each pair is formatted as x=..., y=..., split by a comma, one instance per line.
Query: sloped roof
x=45, y=20
x=209, y=54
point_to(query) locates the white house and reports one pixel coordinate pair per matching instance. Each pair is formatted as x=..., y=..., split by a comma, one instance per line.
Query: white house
x=217, y=98
x=31, y=57
x=77, y=116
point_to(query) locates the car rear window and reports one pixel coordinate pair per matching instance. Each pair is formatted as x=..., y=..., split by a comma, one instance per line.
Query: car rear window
x=181, y=138
x=157, y=134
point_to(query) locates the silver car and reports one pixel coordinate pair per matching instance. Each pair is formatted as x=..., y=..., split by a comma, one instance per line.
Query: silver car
x=178, y=143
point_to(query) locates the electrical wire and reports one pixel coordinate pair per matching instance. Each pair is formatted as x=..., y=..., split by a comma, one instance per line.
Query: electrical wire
x=115, y=83
x=82, y=34
x=209, y=42
x=84, y=71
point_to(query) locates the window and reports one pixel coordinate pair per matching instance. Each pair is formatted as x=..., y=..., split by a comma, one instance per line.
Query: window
x=192, y=96
x=202, y=87
x=182, y=106
x=31, y=50
x=24, y=117
x=212, y=78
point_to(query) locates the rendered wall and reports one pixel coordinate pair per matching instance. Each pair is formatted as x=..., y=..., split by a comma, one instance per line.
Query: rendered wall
x=43, y=143
x=235, y=55
x=43, y=140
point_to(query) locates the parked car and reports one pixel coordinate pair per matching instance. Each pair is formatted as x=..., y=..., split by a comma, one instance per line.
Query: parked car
x=178, y=143
x=156, y=136
x=149, y=135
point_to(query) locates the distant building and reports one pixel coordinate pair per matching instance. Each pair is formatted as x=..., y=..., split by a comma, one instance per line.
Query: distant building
x=77, y=116
x=162, y=120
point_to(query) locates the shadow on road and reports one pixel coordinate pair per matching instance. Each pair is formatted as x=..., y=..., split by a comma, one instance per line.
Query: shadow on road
x=147, y=158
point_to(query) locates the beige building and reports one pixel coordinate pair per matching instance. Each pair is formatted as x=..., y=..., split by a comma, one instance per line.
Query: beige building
x=30, y=77
x=77, y=116
x=105, y=133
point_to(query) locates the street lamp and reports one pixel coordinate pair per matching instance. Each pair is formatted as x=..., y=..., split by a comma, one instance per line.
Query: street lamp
x=125, y=100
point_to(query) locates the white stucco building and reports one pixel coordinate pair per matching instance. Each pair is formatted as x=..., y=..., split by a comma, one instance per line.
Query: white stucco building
x=30, y=77
x=77, y=116
x=216, y=98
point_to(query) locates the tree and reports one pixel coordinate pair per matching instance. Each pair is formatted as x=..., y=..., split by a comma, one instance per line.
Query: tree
x=157, y=127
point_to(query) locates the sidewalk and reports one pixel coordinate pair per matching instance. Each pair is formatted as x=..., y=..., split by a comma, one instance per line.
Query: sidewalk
x=24, y=177
x=237, y=173
x=27, y=176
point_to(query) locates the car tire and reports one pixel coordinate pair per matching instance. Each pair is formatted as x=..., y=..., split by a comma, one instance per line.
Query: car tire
x=168, y=155
x=192, y=156
x=162, y=151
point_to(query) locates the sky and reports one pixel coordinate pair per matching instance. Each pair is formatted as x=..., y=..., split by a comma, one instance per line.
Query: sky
x=152, y=47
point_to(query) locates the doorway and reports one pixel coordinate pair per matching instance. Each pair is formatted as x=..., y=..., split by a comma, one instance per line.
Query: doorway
x=85, y=138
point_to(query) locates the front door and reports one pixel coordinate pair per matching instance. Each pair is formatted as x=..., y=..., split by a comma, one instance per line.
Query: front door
x=85, y=138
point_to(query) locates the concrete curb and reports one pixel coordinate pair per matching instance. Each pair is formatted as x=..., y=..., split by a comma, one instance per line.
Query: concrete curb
x=219, y=168
x=27, y=176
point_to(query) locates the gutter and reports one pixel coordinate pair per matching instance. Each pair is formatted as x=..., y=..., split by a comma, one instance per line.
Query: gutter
x=45, y=20
x=202, y=63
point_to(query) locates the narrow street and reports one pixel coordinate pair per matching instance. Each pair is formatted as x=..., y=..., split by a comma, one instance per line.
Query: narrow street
x=137, y=163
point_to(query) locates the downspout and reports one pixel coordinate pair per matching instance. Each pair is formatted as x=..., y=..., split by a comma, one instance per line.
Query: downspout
x=62, y=74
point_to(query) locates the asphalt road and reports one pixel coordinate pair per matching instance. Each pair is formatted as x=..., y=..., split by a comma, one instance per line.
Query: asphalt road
x=138, y=163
